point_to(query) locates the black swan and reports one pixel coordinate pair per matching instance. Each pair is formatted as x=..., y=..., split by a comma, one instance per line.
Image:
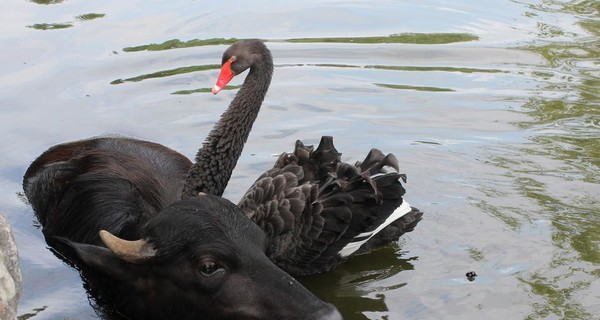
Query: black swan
x=154, y=239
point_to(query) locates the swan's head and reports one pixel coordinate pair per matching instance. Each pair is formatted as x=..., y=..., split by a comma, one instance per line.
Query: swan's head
x=239, y=57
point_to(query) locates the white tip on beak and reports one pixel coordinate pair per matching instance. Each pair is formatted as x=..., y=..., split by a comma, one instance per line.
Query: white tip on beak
x=216, y=89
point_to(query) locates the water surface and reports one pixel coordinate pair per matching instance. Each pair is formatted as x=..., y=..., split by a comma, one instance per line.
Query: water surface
x=492, y=108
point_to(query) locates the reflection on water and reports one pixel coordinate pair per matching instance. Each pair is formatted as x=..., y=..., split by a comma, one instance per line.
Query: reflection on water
x=416, y=38
x=560, y=166
x=493, y=109
x=360, y=284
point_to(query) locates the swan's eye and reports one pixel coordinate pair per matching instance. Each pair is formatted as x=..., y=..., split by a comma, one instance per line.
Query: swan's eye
x=208, y=267
x=232, y=59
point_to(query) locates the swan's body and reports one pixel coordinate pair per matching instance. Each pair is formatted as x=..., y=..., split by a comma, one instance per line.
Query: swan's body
x=317, y=210
x=313, y=210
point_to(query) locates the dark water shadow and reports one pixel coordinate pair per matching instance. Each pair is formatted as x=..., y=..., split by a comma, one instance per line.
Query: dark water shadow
x=354, y=287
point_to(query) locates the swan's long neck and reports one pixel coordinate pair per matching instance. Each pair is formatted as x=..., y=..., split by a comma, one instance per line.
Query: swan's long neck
x=222, y=148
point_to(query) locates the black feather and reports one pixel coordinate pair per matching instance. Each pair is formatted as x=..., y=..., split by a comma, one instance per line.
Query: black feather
x=331, y=203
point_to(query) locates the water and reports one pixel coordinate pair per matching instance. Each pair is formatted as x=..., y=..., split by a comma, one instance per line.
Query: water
x=492, y=108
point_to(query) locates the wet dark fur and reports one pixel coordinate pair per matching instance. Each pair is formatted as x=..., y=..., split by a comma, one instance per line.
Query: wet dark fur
x=131, y=188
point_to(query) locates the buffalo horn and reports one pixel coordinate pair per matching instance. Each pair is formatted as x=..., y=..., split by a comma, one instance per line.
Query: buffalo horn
x=137, y=251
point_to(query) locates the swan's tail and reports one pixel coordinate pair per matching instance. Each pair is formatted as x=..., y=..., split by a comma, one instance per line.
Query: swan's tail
x=402, y=220
x=323, y=210
x=393, y=216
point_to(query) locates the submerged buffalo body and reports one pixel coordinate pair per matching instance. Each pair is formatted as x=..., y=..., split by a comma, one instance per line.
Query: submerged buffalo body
x=145, y=254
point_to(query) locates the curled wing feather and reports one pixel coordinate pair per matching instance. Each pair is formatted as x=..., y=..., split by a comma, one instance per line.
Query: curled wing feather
x=311, y=205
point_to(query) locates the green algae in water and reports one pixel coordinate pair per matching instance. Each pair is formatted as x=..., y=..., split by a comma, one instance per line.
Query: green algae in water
x=90, y=16
x=45, y=2
x=50, y=26
x=414, y=38
x=168, y=73
x=203, y=90
x=476, y=254
x=435, y=68
x=65, y=25
x=176, y=43
x=415, y=88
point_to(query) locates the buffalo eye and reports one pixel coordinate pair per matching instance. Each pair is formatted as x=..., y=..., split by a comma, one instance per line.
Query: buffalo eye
x=208, y=267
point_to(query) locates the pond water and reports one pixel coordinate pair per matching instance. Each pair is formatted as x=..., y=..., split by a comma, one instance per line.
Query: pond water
x=492, y=107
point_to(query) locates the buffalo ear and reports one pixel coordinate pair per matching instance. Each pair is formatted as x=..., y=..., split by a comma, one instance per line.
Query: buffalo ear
x=102, y=259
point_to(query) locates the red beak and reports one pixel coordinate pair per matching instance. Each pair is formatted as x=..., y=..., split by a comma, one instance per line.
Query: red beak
x=224, y=77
